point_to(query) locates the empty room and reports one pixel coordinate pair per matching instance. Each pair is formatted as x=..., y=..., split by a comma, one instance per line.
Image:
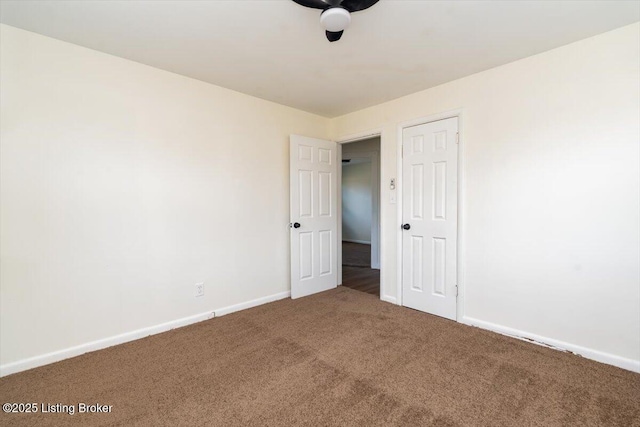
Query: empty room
x=320, y=212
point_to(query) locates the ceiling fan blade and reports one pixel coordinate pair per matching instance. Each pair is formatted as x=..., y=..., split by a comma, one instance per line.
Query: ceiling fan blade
x=356, y=5
x=314, y=4
x=334, y=36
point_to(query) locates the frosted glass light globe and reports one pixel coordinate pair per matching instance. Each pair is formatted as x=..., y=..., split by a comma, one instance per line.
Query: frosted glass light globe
x=335, y=19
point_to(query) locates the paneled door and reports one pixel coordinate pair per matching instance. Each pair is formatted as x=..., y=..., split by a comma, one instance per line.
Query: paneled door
x=429, y=217
x=314, y=223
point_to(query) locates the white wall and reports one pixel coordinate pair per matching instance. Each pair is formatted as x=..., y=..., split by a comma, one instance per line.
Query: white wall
x=550, y=197
x=122, y=186
x=356, y=202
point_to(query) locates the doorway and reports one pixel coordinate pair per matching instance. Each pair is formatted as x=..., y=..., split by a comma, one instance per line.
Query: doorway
x=360, y=215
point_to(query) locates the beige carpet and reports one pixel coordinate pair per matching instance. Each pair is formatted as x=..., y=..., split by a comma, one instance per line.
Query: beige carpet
x=338, y=358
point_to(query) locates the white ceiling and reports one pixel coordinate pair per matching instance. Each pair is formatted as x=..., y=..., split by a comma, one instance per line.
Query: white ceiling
x=276, y=50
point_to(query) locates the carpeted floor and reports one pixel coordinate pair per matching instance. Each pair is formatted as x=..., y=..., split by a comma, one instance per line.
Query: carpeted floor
x=338, y=358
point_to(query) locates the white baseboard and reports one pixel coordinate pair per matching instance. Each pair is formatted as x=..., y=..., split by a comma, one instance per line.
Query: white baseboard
x=387, y=298
x=253, y=303
x=362, y=242
x=599, y=356
x=56, y=356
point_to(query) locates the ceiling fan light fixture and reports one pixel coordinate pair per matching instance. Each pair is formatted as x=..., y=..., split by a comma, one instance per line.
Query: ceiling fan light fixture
x=335, y=19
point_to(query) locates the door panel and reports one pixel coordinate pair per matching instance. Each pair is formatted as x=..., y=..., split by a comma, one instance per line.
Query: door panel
x=417, y=265
x=430, y=169
x=325, y=253
x=313, y=172
x=305, y=182
x=306, y=255
x=417, y=196
x=324, y=178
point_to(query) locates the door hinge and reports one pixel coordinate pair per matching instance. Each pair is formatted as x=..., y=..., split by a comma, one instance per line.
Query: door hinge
x=456, y=290
x=457, y=137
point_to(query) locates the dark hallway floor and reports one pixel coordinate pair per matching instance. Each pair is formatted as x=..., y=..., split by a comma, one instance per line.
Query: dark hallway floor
x=357, y=273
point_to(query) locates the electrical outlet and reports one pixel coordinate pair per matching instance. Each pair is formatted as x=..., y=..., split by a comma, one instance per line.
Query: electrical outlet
x=200, y=289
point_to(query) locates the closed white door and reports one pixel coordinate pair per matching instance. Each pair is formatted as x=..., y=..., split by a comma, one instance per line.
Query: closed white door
x=429, y=217
x=314, y=224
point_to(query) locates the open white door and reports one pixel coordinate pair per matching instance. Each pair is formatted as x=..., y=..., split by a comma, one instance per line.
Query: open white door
x=429, y=216
x=314, y=223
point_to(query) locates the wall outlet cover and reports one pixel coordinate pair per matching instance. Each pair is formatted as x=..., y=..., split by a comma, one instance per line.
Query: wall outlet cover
x=200, y=289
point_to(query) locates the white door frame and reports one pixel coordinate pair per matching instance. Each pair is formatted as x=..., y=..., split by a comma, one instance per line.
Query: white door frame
x=345, y=140
x=375, y=202
x=461, y=211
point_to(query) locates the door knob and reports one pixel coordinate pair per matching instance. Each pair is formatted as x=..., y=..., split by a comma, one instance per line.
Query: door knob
x=406, y=226
x=296, y=225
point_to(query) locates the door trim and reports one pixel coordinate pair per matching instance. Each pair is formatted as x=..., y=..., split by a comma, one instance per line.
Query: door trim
x=460, y=256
